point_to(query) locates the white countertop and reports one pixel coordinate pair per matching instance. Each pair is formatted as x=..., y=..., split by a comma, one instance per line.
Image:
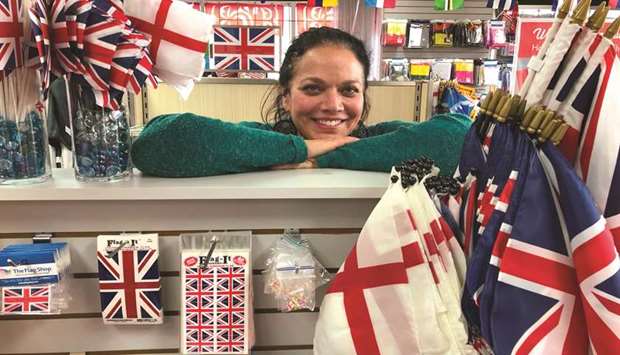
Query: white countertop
x=282, y=184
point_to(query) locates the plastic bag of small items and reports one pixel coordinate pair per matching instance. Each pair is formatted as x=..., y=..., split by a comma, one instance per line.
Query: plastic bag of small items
x=398, y=69
x=394, y=33
x=420, y=69
x=495, y=34
x=418, y=34
x=442, y=33
x=293, y=273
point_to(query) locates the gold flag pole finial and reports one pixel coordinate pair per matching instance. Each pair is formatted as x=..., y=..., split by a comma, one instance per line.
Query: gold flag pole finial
x=581, y=12
x=564, y=9
x=612, y=30
x=597, y=19
x=501, y=105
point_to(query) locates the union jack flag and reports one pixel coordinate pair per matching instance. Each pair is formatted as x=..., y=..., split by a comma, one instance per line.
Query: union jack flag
x=245, y=48
x=11, y=35
x=26, y=300
x=130, y=286
x=215, y=309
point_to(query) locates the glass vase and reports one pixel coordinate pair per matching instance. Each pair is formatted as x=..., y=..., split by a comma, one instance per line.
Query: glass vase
x=100, y=138
x=24, y=152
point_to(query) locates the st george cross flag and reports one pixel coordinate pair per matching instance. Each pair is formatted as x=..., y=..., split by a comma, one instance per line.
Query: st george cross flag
x=384, y=4
x=179, y=37
x=26, y=299
x=129, y=280
x=216, y=309
x=594, y=254
x=245, y=48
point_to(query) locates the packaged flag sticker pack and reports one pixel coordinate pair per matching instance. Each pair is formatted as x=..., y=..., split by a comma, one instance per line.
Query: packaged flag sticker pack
x=129, y=280
x=32, y=278
x=216, y=304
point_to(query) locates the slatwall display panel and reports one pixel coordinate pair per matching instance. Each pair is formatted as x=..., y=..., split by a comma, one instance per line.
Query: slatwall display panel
x=424, y=10
x=80, y=328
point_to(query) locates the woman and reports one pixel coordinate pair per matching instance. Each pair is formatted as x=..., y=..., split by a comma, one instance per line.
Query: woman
x=315, y=120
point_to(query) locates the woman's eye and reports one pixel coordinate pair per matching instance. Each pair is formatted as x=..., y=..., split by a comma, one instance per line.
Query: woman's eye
x=311, y=89
x=350, y=91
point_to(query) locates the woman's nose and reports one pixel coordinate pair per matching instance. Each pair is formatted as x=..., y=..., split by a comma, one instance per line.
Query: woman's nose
x=332, y=100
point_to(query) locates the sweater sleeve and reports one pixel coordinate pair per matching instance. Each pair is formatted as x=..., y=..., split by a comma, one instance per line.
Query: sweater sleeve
x=440, y=139
x=188, y=145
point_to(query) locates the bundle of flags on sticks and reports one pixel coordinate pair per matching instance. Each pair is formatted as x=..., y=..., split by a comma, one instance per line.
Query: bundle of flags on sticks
x=541, y=259
x=108, y=46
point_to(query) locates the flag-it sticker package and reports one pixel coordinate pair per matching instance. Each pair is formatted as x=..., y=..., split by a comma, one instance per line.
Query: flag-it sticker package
x=216, y=310
x=129, y=280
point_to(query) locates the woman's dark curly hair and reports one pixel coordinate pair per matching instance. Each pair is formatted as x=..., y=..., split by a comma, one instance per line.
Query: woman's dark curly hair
x=272, y=110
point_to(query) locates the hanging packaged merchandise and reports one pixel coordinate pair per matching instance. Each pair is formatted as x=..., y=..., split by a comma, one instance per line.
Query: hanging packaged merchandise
x=459, y=34
x=442, y=33
x=293, y=274
x=418, y=34
x=496, y=34
x=394, y=33
x=385, y=69
x=399, y=69
x=129, y=279
x=442, y=69
x=474, y=34
x=420, y=70
x=216, y=296
x=448, y=5
x=464, y=71
x=33, y=278
x=491, y=73
x=478, y=72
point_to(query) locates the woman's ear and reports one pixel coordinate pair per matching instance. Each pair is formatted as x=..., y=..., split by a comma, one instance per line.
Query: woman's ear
x=286, y=101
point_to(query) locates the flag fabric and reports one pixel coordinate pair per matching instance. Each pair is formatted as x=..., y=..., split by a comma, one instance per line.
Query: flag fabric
x=448, y=5
x=502, y=5
x=11, y=35
x=245, y=48
x=385, y=4
x=537, y=306
x=397, y=291
x=322, y=3
x=129, y=280
x=552, y=60
x=594, y=253
x=179, y=37
x=215, y=316
x=26, y=299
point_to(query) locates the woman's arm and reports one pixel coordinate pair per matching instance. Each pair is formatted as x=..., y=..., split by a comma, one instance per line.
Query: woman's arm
x=440, y=139
x=188, y=145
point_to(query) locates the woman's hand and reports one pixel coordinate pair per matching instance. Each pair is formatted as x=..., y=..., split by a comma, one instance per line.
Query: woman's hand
x=318, y=147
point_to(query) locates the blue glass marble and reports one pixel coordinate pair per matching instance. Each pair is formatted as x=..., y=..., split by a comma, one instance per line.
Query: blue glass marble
x=101, y=140
x=22, y=148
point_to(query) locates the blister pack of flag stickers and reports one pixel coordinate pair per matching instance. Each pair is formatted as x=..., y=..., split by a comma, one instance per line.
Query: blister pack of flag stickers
x=129, y=280
x=27, y=299
x=215, y=312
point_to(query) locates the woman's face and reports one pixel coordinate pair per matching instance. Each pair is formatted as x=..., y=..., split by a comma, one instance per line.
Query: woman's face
x=326, y=93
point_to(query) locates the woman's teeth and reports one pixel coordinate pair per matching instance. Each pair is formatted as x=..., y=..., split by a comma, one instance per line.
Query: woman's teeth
x=330, y=122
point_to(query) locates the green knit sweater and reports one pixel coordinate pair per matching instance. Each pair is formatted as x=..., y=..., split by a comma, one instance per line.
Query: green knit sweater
x=188, y=145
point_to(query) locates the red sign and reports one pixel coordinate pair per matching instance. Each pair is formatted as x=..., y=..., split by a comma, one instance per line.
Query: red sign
x=309, y=17
x=531, y=33
x=238, y=14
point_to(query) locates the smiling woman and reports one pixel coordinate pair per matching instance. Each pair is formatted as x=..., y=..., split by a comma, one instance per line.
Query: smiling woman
x=315, y=120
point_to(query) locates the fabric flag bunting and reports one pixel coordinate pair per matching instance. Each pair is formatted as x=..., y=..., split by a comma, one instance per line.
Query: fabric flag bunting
x=502, y=5
x=322, y=3
x=448, y=5
x=245, y=48
x=385, y=4
x=179, y=35
x=129, y=280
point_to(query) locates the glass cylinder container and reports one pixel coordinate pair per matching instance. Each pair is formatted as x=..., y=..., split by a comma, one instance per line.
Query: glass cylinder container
x=100, y=138
x=24, y=152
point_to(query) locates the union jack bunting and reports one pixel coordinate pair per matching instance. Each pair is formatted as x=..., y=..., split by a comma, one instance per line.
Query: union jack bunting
x=26, y=299
x=215, y=304
x=129, y=282
x=245, y=48
x=11, y=35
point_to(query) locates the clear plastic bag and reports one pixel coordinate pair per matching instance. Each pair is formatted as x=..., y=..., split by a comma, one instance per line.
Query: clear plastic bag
x=293, y=274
